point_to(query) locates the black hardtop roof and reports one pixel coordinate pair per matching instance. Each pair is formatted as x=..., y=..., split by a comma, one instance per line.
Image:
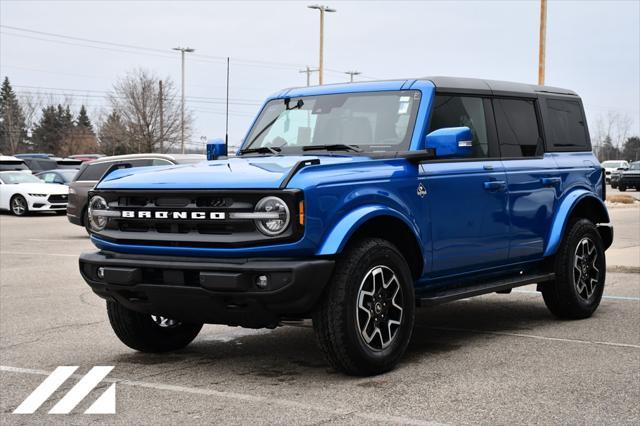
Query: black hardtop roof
x=496, y=87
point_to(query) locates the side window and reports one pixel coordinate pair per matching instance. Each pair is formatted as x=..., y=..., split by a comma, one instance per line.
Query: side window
x=161, y=162
x=566, y=127
x=49, y=177
x=459, y=111
x=517, y=126
x=94, y=171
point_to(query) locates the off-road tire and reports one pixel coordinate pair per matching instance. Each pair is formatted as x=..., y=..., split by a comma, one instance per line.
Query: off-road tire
x=140, y=332
x=24, y=202
x=85, y=221
x=562, y=296
x=335, y=318
x=622, y=188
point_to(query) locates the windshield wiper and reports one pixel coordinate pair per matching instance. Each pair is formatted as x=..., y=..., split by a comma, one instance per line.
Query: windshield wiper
x=262, y=150
x=333, y=147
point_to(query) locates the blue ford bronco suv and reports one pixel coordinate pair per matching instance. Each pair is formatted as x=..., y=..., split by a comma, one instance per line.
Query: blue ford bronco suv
x=353, y=204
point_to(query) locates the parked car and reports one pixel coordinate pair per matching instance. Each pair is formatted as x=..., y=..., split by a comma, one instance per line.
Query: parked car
x=59, y=176
x=86, y=157
x=614, y=178
x=21, y=193
x=39, y=164
x=91, y=172
x=9, y=163
x=613, y=166
x=352, y=204
x=630, y=178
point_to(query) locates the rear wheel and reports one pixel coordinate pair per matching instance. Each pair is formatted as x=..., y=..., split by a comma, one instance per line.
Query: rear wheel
x=622, y=188
x=580, y=268
x=364, y=322
x=85, y=221
x=150, y=333
x=19, y=205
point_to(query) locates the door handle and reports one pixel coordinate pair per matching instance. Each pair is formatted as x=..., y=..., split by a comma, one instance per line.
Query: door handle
x=551, y=181
x=495, y=185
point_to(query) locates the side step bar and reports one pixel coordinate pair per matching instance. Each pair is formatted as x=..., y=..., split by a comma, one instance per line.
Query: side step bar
x=444, y=296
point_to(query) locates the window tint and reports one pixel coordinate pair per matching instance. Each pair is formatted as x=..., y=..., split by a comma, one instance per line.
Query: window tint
x=517, y=127
x=566, y=129
x=12, y=165
x=462, y=111
x=94, y=171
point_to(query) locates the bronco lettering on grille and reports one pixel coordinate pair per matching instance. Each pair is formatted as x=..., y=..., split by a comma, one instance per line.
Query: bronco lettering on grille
x=147, y=214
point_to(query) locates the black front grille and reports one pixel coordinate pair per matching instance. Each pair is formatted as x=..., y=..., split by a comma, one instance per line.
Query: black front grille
x=170, y=220
x=58, y=198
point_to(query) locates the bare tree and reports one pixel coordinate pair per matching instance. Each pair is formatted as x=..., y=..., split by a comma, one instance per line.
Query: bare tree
x=136, y=101
x=612, y=130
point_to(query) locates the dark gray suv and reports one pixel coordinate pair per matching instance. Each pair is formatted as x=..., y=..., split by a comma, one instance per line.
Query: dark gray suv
x=90, y=173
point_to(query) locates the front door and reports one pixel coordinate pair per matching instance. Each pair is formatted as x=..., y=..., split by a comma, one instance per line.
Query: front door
x=467, y=197
x=469, y=218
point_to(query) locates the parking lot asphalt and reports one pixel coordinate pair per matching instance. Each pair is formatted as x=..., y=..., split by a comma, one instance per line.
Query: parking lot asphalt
x=493, y=359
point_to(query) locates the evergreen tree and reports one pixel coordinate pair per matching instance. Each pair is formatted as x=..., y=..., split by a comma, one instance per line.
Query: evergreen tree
x=13, y=129
x=46, y=134
x=83, y=121
x=631, y=150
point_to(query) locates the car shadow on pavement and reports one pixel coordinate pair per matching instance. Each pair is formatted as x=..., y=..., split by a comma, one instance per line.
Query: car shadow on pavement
x=290, y=353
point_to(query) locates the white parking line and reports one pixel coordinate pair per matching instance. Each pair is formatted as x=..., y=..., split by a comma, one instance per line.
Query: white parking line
x=630, y=298
x=533, y=336
x=241, y=397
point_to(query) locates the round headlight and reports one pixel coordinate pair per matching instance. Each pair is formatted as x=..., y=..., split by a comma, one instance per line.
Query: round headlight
x=277, y=225
x=97, y=222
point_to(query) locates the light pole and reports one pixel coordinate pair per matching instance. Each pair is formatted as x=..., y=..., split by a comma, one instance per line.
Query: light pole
x=322, y=10
x=543, y=40
x=308, y=70
x=351, y=74
x=182, y=51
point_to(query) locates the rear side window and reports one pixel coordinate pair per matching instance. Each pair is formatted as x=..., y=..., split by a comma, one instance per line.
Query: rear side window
x=517, y=125
x=462, y=111
x=566, y=130
x=94, y=171
x=12, y=165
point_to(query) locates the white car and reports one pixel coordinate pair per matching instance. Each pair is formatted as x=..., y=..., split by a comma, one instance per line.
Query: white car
x=21, y=193
x=613, y=166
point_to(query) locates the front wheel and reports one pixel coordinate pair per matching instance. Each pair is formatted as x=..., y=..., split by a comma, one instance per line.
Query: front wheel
x=364, y=322
x=580, y=268
x=19, y=205
x=149, y=333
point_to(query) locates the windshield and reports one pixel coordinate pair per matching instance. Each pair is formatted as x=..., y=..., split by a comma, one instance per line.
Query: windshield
x=634, y=166
x=68, y=175
x=18, y=177
x=372, y=121
x=612, y=164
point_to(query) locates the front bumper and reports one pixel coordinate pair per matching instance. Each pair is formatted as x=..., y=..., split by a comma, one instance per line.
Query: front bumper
x=215, y=291
x=629, y=181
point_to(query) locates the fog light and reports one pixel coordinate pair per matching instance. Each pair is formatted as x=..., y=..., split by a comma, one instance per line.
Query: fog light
x=262, y=281
x=100, y=272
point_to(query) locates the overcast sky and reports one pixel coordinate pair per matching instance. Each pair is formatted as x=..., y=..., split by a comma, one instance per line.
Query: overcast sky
x=593, y=47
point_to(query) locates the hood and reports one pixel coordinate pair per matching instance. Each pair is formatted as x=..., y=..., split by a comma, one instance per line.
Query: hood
x=233, y=173
x=42, y=188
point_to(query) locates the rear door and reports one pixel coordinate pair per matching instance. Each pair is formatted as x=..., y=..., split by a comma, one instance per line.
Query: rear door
x=467, y=197
x=532, y=176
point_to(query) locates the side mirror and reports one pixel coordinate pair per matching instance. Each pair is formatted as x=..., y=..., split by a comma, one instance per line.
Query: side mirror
x=451, y=142
x=216, y=148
